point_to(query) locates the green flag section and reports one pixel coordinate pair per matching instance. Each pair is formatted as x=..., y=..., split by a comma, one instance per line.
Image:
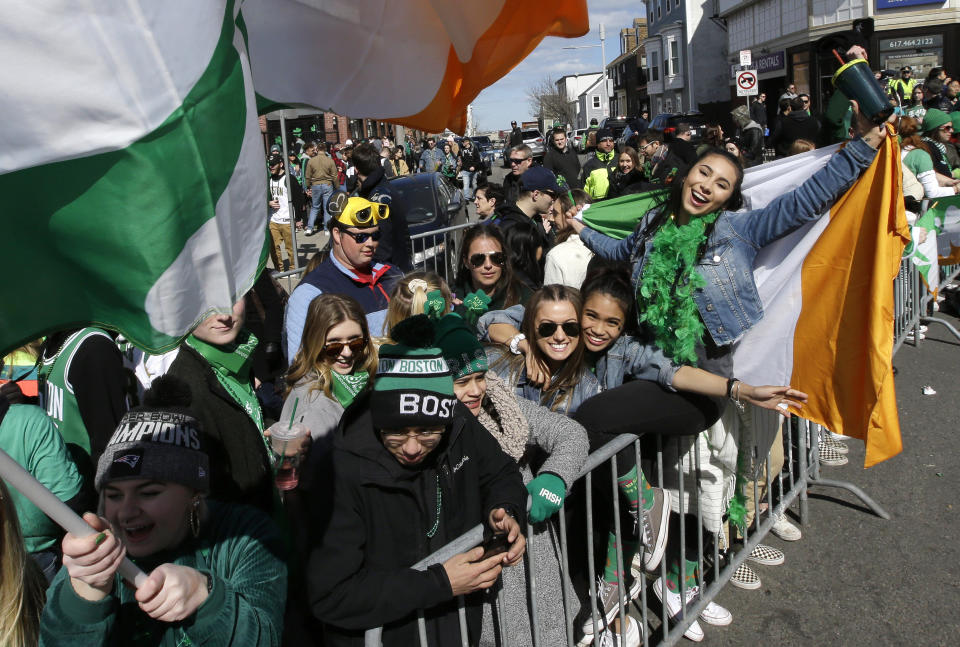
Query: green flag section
x=945, y=215
x=165, y=223
x=922, y=250
x=618, y=217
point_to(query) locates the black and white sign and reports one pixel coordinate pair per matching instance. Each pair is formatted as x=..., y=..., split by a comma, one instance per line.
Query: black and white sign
x=746, y=83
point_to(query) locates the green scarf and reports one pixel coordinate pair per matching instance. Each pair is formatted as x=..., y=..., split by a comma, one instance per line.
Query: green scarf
x=231, y=364
x=346, y=387
x=665, y=294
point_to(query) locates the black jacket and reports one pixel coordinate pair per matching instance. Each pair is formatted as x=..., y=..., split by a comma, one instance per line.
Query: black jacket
x=751, y=140
x=516, y=137
x=239, y=464
x=632, y=182
x=394, y=247
x=360, y=576
x=509, y=213
x=471, y=157
x=796, y=125
x=758, y=112
x=564, y=163
x=684, y=150
x=511, y=187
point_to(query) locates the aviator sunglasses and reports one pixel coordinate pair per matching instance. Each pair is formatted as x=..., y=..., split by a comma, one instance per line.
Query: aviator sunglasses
x=547, y=328
x=497, y=258
x=334, y=348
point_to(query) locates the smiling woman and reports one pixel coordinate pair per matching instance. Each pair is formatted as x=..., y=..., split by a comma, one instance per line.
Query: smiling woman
x=212, y=565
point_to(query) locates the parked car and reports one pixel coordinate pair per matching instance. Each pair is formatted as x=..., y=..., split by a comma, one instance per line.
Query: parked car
x=533, y=139
x=667, y=122
x=431, y=202
x=615, y=124
x=487, y=150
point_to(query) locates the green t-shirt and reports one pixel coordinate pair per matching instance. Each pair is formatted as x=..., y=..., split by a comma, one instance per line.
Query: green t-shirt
x=31, y=439
x=918, y=161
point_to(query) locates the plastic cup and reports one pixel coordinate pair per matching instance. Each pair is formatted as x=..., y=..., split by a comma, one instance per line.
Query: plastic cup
x=286, y=443
x=856, y=81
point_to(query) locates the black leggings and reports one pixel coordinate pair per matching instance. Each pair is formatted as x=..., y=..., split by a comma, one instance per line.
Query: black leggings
x=643, y=407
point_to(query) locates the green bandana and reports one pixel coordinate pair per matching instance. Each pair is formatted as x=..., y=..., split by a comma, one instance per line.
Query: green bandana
x=346, y=387
x=231, y=364
x=665, y=295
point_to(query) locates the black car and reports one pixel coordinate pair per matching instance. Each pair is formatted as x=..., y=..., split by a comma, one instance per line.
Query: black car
x=431, y=202
x=615, y=124
x=487, y=151
x=667, y=122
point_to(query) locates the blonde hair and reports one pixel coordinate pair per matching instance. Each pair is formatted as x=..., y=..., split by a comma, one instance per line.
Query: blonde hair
x=310, y=363
x=22, y=585
x=410, y=295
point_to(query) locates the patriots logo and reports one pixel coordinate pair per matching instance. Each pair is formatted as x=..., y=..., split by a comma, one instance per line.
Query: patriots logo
x=128, y=459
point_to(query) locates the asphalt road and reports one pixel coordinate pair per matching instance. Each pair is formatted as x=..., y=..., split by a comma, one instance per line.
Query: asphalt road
x=855, y=579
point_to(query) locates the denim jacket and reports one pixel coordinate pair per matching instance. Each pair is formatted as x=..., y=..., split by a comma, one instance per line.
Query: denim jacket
x=625, y=357
x=729, y=304
x=587, y=386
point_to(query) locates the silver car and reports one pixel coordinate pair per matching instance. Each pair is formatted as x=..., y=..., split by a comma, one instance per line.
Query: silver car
x=533, y=139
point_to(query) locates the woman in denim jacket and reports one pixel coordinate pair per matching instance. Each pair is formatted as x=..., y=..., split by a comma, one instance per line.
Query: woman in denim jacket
x=692, y=274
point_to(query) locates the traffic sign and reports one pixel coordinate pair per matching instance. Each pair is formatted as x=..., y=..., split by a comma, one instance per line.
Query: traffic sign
x=747, y=83
x=745, y=57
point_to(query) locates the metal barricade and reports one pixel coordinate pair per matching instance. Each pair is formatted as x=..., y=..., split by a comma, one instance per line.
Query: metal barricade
x=438, y=250
x=716, y=561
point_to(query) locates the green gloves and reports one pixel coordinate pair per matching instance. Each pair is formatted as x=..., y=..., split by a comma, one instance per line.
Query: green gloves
x=547, y=492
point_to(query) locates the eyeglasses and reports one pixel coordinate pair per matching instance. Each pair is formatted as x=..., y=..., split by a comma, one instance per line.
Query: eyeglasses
x=518, y=160
x=365, y=215
x=334, y=348
x=547, y=328
x=497, y=258
x=361, y=237
x=947, y=129
x=396, y=439
x=646, y=146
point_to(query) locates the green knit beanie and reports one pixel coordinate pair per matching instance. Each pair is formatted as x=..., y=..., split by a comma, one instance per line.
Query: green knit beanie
x=934, y=119
x=461, y=349
x=955, y=118
x=413, y=387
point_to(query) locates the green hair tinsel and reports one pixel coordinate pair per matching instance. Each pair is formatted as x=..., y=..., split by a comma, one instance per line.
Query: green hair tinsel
x=669, y=279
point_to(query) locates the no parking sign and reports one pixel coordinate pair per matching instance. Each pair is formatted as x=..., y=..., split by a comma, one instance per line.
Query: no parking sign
x=747, y=83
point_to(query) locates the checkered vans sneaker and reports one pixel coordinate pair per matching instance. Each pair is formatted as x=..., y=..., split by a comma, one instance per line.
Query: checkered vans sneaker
x=766, y=555
x=834, y=444
x=831, y=457
x=745, y=578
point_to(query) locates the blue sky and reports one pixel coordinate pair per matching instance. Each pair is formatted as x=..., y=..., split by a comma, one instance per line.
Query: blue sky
x=506, y=99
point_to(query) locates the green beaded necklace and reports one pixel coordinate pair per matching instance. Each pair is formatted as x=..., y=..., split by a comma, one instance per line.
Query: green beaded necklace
x=436, y=524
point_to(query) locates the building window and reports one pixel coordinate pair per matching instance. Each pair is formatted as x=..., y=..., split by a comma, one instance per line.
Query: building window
x=654, y=73
x=596, y=102
x=674, y=58
x=679, y=102
x=668, y=6
x=659, y=9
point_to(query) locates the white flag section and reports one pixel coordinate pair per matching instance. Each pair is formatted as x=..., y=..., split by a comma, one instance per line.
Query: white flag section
x=827, y=293
x=131, y=161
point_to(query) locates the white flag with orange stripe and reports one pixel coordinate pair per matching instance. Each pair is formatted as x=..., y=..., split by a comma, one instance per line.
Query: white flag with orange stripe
x=827, y=292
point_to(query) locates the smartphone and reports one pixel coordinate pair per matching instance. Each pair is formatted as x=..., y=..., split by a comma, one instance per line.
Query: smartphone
x=495, y=545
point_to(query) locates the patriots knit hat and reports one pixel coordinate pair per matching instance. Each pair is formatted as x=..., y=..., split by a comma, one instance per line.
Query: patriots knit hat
x=934, y=119
x=461, y=349
x=413, y=387
x=159, y=441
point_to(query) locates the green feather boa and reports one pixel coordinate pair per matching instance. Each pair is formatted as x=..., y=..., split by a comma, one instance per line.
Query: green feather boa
x=665, y=294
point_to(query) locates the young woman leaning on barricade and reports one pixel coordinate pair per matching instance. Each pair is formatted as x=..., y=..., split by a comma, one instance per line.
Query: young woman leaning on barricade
x=690, y=256
x=538, y=439
x=569, y=351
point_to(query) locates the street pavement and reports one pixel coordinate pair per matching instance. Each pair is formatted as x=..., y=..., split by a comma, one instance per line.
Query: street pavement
x=855, y=579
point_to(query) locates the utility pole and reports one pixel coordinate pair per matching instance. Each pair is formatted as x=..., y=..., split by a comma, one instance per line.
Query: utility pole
x=603, y=63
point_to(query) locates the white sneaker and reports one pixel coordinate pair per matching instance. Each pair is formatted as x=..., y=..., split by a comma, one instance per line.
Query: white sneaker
x=630, y=638
x=674, y=608
x=785, y=530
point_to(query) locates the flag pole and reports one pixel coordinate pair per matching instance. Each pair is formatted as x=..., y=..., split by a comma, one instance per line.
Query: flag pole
x=290, y=210
x=40, y=496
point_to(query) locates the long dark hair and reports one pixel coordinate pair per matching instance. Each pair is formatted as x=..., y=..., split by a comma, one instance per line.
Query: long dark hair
x=673, y=200
x=508, y=283
x=523, y=239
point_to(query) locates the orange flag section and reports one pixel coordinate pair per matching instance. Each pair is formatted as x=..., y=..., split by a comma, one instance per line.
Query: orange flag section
x=843, y=342
x=518, y=29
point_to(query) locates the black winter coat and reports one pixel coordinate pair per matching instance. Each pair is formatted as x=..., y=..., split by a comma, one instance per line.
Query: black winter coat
x=796, y=125
x=239, y=465
x=632, y=182
x=394, y=247
x=565, y=163
x=360, y=576
x=470, y=157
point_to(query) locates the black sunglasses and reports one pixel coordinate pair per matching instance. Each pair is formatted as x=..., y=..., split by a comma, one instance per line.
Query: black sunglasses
x=518, y=160
x=497, y=258
x=334, y=348
x=547, y=328
x=361, y=237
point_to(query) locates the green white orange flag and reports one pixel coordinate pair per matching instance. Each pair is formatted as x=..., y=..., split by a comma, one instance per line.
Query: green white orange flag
x=131, y=161
x=827, y=291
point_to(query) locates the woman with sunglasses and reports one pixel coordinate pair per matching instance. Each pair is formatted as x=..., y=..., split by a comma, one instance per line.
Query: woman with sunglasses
x=485, y=266
x=334, y=364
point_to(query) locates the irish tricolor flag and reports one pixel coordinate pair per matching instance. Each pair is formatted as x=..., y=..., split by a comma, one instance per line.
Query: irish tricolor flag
x=827, y=291
x=131, y=162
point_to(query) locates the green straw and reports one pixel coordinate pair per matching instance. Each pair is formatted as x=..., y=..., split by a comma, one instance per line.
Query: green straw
x=294, y=413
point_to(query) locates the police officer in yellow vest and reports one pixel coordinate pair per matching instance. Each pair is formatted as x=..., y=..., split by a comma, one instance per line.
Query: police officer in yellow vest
x=902, y=88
